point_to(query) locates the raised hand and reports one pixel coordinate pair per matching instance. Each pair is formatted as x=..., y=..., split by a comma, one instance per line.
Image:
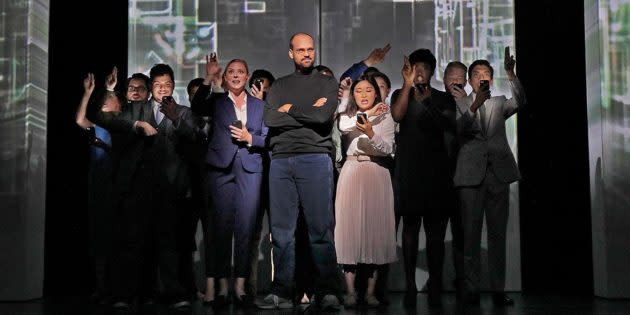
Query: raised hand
x=212, y=65
x=457, y=92
x=112, y=79
x=169, y=108
x=88, y=84
x=482, y=96
x=408, y=72
x=377, y=56
x=509, y=62
x=377, y=109
x=344, y=88
x=259, y=94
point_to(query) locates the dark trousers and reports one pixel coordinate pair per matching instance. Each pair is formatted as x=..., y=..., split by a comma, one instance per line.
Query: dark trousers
x=305, y=269
x=458, y=247
x=306, y=180
x=492, y=198
x=435, y=223
x=236, y=196
x=146, y=232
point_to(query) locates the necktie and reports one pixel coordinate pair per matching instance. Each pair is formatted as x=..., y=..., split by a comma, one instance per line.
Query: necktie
x=158, y=115
x=482, y=118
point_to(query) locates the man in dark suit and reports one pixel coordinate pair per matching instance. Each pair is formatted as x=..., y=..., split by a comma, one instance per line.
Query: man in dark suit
x=151, y=180
x=485, y=169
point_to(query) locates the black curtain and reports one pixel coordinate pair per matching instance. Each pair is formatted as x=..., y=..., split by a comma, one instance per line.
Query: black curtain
x=85, y=36
x=553, y=148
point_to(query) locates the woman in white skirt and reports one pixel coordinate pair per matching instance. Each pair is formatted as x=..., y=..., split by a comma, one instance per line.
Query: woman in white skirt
x=364, y=206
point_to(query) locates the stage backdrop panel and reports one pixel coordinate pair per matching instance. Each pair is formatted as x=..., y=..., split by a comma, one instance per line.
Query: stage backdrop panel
x=23, y=112
x=607, y=35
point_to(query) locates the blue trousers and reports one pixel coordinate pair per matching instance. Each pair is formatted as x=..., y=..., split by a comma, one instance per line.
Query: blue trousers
x=236, y=197
x=304, y=180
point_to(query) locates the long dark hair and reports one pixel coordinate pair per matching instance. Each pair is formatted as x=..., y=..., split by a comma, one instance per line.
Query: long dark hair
x=352, y=107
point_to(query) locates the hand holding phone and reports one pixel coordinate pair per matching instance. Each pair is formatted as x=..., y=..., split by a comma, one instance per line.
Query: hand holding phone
x=362, y=118
x=508, y=61
x=237, y=124
x=484, y=85
x=364, y=125
x=259, y=83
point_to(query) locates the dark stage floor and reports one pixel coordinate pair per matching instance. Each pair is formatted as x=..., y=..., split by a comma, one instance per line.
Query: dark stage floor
x=525, y=304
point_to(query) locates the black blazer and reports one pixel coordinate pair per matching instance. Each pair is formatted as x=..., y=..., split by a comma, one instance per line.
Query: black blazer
x=169, y=149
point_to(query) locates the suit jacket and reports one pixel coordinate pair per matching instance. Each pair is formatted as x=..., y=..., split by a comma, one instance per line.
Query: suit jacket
x=479, y=150
x=222, y=147
x=165, y=152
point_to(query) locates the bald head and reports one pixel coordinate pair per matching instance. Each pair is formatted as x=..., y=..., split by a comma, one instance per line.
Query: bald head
x=302, y=51
x=299, y=36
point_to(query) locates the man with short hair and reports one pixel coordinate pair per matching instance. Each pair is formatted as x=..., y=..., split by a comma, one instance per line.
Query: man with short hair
x=485, y=168
x=151, y=181
x=138, y=87
x=454, y=84
x=299, y=115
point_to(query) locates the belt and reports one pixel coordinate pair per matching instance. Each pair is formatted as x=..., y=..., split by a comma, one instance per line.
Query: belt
x=363, y=158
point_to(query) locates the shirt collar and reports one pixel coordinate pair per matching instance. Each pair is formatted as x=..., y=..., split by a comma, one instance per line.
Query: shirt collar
x=233, y=97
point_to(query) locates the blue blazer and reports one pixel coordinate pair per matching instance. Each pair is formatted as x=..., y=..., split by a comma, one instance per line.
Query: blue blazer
x=222, y=148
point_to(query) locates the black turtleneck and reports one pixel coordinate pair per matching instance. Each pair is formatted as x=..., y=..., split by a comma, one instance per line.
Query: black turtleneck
x=305, y=128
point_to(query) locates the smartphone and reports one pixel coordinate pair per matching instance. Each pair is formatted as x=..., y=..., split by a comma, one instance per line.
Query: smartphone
x=362, y=118
x=507, y=51
x=258, y=83
x=238, y=124
x=167, y=99
x=459, y=85
x=484, y=85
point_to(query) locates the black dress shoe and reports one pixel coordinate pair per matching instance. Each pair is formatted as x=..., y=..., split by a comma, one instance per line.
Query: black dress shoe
x=410, y=299
x=501, y=299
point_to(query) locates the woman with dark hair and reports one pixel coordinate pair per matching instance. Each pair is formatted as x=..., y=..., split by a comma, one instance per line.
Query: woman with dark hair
x=235, y=165
x=364, y=206
x=424, y=169
x=260, y=82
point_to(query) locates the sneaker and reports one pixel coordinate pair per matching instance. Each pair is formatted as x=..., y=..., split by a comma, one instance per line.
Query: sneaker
x=272, y=302
x=329, y=302
x=371, y=301
x=181, y=305
x=350, y=301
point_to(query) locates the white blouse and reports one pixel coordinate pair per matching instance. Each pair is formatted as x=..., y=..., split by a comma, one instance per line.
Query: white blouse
x=355, y=142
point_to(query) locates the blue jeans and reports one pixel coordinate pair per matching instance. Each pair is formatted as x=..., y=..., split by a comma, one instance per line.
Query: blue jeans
x=303, y=182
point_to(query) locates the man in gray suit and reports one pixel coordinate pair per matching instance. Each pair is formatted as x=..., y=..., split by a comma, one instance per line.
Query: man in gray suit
x=485, y=168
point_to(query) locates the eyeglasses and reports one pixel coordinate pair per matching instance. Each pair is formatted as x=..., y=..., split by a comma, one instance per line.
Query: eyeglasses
x=132, y=88
x=302, y=51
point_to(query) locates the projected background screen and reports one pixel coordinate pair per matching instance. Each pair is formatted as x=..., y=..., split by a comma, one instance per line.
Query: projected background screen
x=607, y=26
x=182, y=32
